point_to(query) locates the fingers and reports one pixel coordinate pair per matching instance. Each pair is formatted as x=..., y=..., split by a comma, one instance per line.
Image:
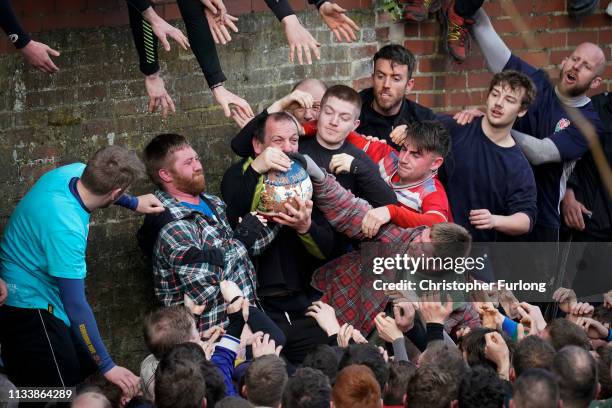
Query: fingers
x=164, y=42
x=229, y=22
x=308, y=56
x=291, y=52
x=209, y=5
x=299, y=54
x=178, y=36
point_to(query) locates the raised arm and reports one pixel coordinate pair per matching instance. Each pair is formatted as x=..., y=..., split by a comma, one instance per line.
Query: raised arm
x=495, y=51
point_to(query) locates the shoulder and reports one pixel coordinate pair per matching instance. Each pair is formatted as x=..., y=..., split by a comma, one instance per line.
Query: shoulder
x=422, y=112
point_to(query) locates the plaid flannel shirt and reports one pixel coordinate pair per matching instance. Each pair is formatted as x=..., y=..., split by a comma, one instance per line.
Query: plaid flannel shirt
x=177, y=273
x=345, y=283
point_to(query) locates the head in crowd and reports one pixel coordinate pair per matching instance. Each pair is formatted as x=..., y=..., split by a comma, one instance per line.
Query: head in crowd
x=445, y=357
x=179, y=379
x=264, y=381
x=604, y=364
x=97, y=383
x=509, y=97
x=215, y=386
x=173, y=165
x=423, y=152
x=392, y=78
x=369, y=356
x=431, y=388
x=356, y=387
x=581, y=70
x=324, y=358
x=109, y=172
x=562, y=332
x=575, y=370
x=316, y=88
x=535, y=388
x=280, y=130
x=91, y=399
x=531, y=352
x=400, y=372
x=308, y=388
x=340, y=109
x=481, y=388
x=166, y=327
x=603, y=315
x=442, y=240
x=473, y=347
x=234, y=402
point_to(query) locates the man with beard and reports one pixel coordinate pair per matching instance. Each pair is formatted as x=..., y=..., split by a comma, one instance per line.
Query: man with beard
x=385, y=105
x=194, y=247
x=549, y=139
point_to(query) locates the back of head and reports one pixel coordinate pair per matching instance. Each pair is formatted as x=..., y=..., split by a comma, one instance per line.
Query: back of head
x=215, y=385
x=91, y=399
x=111, y=168
x=323, y=358
x=343, y=93
x=536, y=388
x=179, y=381
x=369, y=356
x=444, y=356
x=397, y=54
x=431, y=388
x=265, y=379
x=481, y=388
x=429, y=136
x=234, y=402
x=563, y=332
x=576, y=373
x=157, y=153
x=308, y=388
x=473, y=347
x=450, y=240
x=532, y=352
x=166, y=327
x=356, y=387
x=604, y=364
x=515, y=81
x=400, y=372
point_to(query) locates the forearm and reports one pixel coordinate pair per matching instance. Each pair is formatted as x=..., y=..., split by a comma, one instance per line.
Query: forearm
x=224, y=357
x=516, y=224
x=407, y=218
x=201, y=40
x=267, y=236
x=280, y=8
x=537, y=151
x=144, y=39
x=11, y=26
x=493, y=48
x=127, y=201
x=399, y=350
x=371, y=186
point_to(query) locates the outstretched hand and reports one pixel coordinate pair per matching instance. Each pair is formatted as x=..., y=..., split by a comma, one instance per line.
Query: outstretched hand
x=341, y=25
x=300, y=40
x=39, y=56
x=227, y=99
x=158, y=96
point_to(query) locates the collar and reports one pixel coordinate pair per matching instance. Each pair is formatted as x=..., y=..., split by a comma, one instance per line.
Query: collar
x=176, y=209
x=574, y=102
x=413, y=185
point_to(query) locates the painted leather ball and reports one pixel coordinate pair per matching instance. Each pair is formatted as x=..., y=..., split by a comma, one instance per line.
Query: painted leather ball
x=283, y=187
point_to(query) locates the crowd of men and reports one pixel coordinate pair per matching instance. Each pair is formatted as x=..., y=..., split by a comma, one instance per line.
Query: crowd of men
x=278, y=309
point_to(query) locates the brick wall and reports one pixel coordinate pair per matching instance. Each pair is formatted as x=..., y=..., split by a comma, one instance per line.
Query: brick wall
x=98, y=99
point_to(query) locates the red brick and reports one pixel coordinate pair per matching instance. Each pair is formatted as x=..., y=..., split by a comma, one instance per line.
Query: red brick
x=382, y=34
x=480, y=80
x=578, y=37
x=237, y=7
x=421, y=47
x=461, y=100
x=471, y=63
x=605, y=36
x=434, y=100
x=424, y=83
x=561, y=21
x=596, y=21
x=436, y=64
x=362, y=83
x=32, y=24
x=411, y=29
x=450, y=81
x=64, y=6
x=429, y=29
x=551, y=40
x=515, y=42
x=493, y=9
x=544, y=6
x=365, y=3
x=115, y=18
x=171, y=12
x=523, y=7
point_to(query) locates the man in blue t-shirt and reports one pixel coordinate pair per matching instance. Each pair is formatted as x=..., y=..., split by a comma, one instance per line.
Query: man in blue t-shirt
x=42, y=261
x=549, y=139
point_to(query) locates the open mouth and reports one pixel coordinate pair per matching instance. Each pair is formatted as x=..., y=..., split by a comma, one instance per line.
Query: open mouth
x=496, y=113
x=571, y=77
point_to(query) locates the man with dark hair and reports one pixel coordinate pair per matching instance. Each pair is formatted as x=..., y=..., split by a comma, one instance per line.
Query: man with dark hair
x=234, y=402
x=49, y=334
x=400, y=373
x=481, y=388
x=264, y=381
x=356, y=387
x=535, y=388
x=575, y=370
x=308, y=388
x=385, y=105
x=531, y=352
x=323, y=358
x=369, y=356
x=562, y=332
x=179, y=379
x=430, y=388
x=192, y=245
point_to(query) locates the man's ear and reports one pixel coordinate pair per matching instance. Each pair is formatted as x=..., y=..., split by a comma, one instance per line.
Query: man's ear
x=165, y=175
x=437, y=163
x=404, y=398
x=511, y=404
x=356, y=124
x=454, y=404
x=244, y=392
x=257, y=146
x=409, y=86
x=115, y=194
x=598, y=391
x=595, y=83
x=204, y=402
x=522, y=113
x=512, y=375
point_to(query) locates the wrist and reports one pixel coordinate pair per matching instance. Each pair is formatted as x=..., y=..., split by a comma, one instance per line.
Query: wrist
x=304, y=228
x=151, y=16
x=503, y=370
x=290, y=20
x=152, y=76
x=217, y=86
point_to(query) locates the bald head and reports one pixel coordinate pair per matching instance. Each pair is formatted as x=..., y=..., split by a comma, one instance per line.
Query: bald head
x=594, y=53
x=91, y=399
x=581, y=70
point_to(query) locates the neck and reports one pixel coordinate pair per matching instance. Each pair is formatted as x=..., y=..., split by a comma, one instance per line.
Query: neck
x=91, y=200
x=573, y=101
x=330, y=146
x=181, y=195
x=499, y=136
x=419, y=181
x=393, y=111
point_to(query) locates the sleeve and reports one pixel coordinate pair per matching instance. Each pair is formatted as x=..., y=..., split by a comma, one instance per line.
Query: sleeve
x=376, y=151
x=65, y=253
x=510, y=327
x=238, y=189
x=10, y=25
x=242, y=143
x=260, y=321
x=408, y=218
x=369, y=183
x=201, y=40
x=280, y=8
x=83, y=322
x=399, y=350
x=570, y=142
x=127, y=201
x=517, y=64
x=319, y=239
x=522, y=196
x=317, y=3
x=435, y=331
x=140, y=5
x=224, y=358
x=267, y=236
x=198, y=276
x=495, y=51
x=144, y=40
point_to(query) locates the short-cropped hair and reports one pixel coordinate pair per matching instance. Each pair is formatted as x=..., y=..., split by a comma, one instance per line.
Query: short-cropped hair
x=400, y=373
x=308, y=388
x=532, y=352
x=397, y=54
x=575, y=370
x=450, y=240
x=166, y=327
x=323, y=358
x=431, y=388
x=179, y=380
x=356, y=386
x=265, y=379
x=563, y=332
x=259, y=132
x=110, y=168
x=481, y=388
x=515, y=80
x=369, y=356
x=158, y=151
x=429, y=136
x=344, y=93
x=536, y=388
